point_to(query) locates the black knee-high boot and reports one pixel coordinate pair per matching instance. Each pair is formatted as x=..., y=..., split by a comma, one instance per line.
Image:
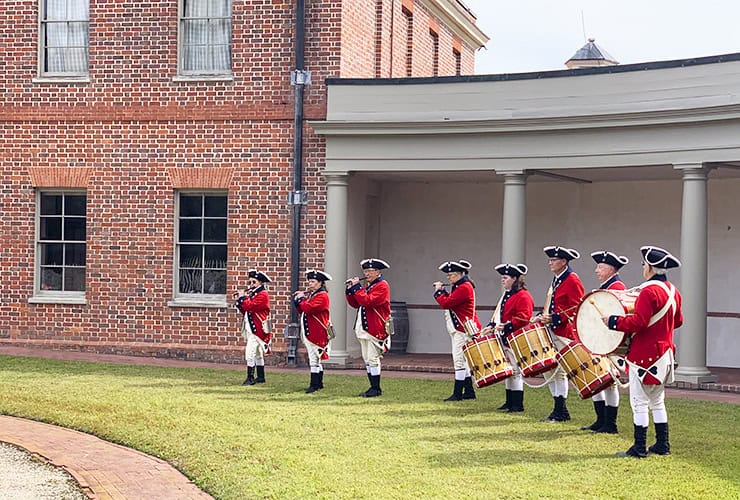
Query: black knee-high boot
x=457, y=391
x=599, y=408
x=507, y=404
x=314, y=383
x=321, y=379
x=610, y=421
x=370, y=379
x=260, y=375
x=517, y=402
x=661, y=446
x=468, y=390
x=637, y=450
x=250, y=376
x=375, y=389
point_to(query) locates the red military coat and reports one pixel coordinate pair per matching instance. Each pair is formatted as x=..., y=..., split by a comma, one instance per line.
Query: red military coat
x=567, y=294
x=374, y=304
x=650, y=342
x=461, y=303
x=516, y=312
x=256, y=309
x=315, y=317
x=613, y=283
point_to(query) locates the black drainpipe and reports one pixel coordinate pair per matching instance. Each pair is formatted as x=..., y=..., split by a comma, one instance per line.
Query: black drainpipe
x=299, y=79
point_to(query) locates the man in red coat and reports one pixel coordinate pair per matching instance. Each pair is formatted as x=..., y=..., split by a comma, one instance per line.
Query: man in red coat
x=561, y=304
x=459, y=306
x=254, y=303
x=650, y=357
x=606, y=402
x=512, y=313
x=314, y=308
x=373, y=304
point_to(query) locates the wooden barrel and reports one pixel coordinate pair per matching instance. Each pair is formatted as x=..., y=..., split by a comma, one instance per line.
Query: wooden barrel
x=399, y=341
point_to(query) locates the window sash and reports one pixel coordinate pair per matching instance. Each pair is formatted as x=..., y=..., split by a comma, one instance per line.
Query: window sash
x=198, y=270
x=205, y=33
x=61, y=261
x=64, y=37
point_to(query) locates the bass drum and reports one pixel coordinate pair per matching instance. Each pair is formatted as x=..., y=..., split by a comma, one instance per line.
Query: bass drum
x=591, y=330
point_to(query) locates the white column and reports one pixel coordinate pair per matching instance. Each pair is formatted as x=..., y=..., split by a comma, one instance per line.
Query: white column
x=335, y=261
x=692, y=339
x=514, y=224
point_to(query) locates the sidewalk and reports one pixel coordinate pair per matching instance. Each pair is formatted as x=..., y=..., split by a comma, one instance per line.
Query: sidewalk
x=109, y=471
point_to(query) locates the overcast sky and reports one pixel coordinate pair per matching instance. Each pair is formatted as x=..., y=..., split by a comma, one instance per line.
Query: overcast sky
x=535, y=35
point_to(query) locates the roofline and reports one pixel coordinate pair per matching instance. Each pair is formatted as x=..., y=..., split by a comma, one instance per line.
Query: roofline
x=622, y=68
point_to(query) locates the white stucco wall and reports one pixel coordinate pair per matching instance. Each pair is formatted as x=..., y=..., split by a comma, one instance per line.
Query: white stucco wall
x=424, y=224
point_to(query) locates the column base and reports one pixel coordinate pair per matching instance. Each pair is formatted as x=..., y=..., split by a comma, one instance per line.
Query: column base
x=694, y=375
x=338, y=359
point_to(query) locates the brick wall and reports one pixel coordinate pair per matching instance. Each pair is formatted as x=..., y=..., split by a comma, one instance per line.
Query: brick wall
x=133, y=134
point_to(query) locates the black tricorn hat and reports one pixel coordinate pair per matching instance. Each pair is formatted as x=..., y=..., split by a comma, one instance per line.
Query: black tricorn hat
x=451, y=266
x=315, y=274
x=605, y=257
x=557, y=252
x=259, y=276
x=374, y=264
x=659, y=258
x=513, y=270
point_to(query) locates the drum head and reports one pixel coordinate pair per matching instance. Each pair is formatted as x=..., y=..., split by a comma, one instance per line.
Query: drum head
x=591, y=330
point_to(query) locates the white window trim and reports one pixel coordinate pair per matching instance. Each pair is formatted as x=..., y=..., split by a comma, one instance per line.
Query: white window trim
x=197, y=76
x=194, y=299
x=53, y=296
x=45, y=77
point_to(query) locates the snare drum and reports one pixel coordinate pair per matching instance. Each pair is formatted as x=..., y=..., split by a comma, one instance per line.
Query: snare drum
x=589, y=373
x=591, y=330
x=486, y=359
x=533, y=350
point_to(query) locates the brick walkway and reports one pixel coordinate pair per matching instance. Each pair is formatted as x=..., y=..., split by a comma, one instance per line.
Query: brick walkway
x=109, y=471
x=104, y=470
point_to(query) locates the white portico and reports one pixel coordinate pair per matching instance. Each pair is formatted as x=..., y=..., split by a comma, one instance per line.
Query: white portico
x=493, y=168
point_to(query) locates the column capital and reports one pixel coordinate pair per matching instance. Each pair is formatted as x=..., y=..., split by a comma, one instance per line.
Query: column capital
x=689, y=165
x=511, y=173
x=336, y=178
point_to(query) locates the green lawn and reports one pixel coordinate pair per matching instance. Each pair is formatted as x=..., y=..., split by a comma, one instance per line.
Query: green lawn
x=274, y=441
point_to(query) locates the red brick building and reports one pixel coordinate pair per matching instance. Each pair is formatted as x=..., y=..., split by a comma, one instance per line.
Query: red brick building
x=147, y=157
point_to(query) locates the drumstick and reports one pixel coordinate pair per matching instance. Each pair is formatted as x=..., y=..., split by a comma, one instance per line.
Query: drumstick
x=593, y=303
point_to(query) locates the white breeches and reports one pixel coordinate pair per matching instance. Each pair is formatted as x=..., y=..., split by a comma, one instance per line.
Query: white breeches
x=372, y=350
x=458, y=340
x=645, y=398
x=515, y=382
x=254, y=352
x=314, y=353
x=559, y=384
x=610, y=396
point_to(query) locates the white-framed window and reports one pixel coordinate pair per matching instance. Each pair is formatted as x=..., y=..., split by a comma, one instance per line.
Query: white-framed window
x=200, y=245
x=204, y=37
x=64, y=38
x=61, y=249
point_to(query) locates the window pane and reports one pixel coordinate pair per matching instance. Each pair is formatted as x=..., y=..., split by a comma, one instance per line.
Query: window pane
x=196, y=32
x=215, y=206
x=51, y=228
x=191, y=281
x=215, y=230
x=190, y=229
x=191, y=256
x=221, y=8
x=74, y=229
x=74, y=279
x=51, y=278
x=74, y=254
x=216, y=256
x=190, y=206
x=51, y=254
x=195, y=58
x=51, y=204
x=75, y=205
x=215, y=282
